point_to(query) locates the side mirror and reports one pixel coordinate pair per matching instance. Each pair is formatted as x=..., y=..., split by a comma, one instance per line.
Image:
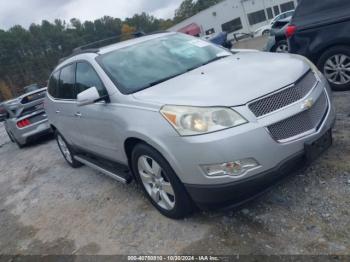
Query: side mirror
x=88, y=97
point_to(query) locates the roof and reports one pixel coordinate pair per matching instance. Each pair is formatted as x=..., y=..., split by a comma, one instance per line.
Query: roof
x=130, y=42
x=107, y=48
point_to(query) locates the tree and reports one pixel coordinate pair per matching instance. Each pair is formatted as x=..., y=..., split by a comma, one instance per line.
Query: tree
x=127, y=31
x=29, y=55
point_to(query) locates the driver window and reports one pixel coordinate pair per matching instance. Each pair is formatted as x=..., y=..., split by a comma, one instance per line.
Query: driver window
x=87, y=77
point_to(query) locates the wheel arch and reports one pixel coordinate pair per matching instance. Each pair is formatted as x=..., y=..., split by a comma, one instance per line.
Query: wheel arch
x=132, y=141
x=53, y=128
x=318, y=54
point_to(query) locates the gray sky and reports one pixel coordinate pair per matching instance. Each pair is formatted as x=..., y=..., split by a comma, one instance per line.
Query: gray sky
x=25, y=12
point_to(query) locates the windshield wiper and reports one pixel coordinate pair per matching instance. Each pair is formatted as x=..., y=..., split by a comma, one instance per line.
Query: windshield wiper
x=214, y=59
x=208, y=62
x=163, y=80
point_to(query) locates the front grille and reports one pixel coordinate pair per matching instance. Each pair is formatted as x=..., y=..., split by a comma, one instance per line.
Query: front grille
x=285, y=97
x=301, y=123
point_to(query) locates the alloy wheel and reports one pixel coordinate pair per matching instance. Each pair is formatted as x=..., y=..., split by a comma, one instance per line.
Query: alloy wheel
x=64, y=148
x=337, y=69
x=156, y=182
x=282, y=48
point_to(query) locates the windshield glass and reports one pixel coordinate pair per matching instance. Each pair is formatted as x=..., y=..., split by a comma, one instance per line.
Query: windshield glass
x=143, y=65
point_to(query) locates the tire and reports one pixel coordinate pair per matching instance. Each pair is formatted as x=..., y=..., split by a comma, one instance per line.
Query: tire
x=266, y=33
x=10, y=136
x=66, y=151
x=282, y=47
x=14, y=140
x=20, y=146
x=335, y=65
x=160, y=183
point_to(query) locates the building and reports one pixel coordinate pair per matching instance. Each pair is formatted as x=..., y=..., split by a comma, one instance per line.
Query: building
x=234, y=16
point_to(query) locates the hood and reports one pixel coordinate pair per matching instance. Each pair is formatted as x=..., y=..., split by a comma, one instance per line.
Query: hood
x=232, y=81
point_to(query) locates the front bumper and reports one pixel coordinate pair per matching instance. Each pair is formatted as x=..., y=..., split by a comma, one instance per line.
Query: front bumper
x=236, y=193
x=187, y=155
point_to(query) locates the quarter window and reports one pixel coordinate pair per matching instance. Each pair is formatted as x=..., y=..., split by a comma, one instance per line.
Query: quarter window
x=53, y=84
x=87, y=77
x=67, y=80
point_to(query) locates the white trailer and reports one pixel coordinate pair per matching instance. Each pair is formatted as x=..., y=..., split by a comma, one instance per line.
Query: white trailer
x=235, y=16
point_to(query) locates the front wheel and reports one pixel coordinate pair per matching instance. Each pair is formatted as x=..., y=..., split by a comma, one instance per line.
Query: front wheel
x=160, y=183
x=282, y=47
x=266, y=33
x=335, y=65
x=66, y=151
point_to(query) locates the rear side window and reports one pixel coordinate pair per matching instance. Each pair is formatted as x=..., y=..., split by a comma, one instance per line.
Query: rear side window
x=67, y=83
x=87, y=77
x=53, y=84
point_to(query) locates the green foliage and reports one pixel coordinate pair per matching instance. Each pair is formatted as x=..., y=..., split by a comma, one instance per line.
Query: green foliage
x=29, y=55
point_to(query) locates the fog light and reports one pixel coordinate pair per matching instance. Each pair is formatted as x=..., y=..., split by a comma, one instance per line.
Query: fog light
x=234, y=169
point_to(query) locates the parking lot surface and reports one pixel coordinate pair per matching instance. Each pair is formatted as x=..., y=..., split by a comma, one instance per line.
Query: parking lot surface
x=48, y=208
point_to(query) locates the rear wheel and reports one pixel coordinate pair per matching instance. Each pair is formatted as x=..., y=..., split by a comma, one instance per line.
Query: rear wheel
x=14, y=140
x=160, y=183
x=335, y=65
x=67, y=151
x=10, y=136
x=282, y=47
x=266, y=33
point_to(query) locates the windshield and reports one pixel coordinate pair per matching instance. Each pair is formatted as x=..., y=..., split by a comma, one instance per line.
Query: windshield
x=149, y=63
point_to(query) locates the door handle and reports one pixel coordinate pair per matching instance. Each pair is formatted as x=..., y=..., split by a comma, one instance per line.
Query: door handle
x=58, y=111
x=78, y=114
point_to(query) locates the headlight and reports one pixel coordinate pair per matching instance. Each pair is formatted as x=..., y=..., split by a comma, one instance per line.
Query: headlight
x=198, y=120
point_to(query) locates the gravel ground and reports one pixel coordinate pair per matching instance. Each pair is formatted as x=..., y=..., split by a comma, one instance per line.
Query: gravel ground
x=48, y=208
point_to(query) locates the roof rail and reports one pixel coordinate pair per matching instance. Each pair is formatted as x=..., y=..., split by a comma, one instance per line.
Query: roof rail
x=107, y=41
x=94, y=47
x=77, y=52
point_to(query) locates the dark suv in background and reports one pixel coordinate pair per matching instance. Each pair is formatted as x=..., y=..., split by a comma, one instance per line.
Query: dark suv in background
x=321, y=32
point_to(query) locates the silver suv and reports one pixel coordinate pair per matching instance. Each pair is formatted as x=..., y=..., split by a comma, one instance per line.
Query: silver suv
x=195, y=123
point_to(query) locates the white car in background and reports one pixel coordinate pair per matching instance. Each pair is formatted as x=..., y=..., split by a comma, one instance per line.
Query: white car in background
x=265, y=30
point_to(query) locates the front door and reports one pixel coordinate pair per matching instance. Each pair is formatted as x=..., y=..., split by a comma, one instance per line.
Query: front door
x=65, y=104
x=99, y=132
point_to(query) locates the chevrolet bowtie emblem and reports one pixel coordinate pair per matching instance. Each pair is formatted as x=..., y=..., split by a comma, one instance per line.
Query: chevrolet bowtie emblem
x=308, y=103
